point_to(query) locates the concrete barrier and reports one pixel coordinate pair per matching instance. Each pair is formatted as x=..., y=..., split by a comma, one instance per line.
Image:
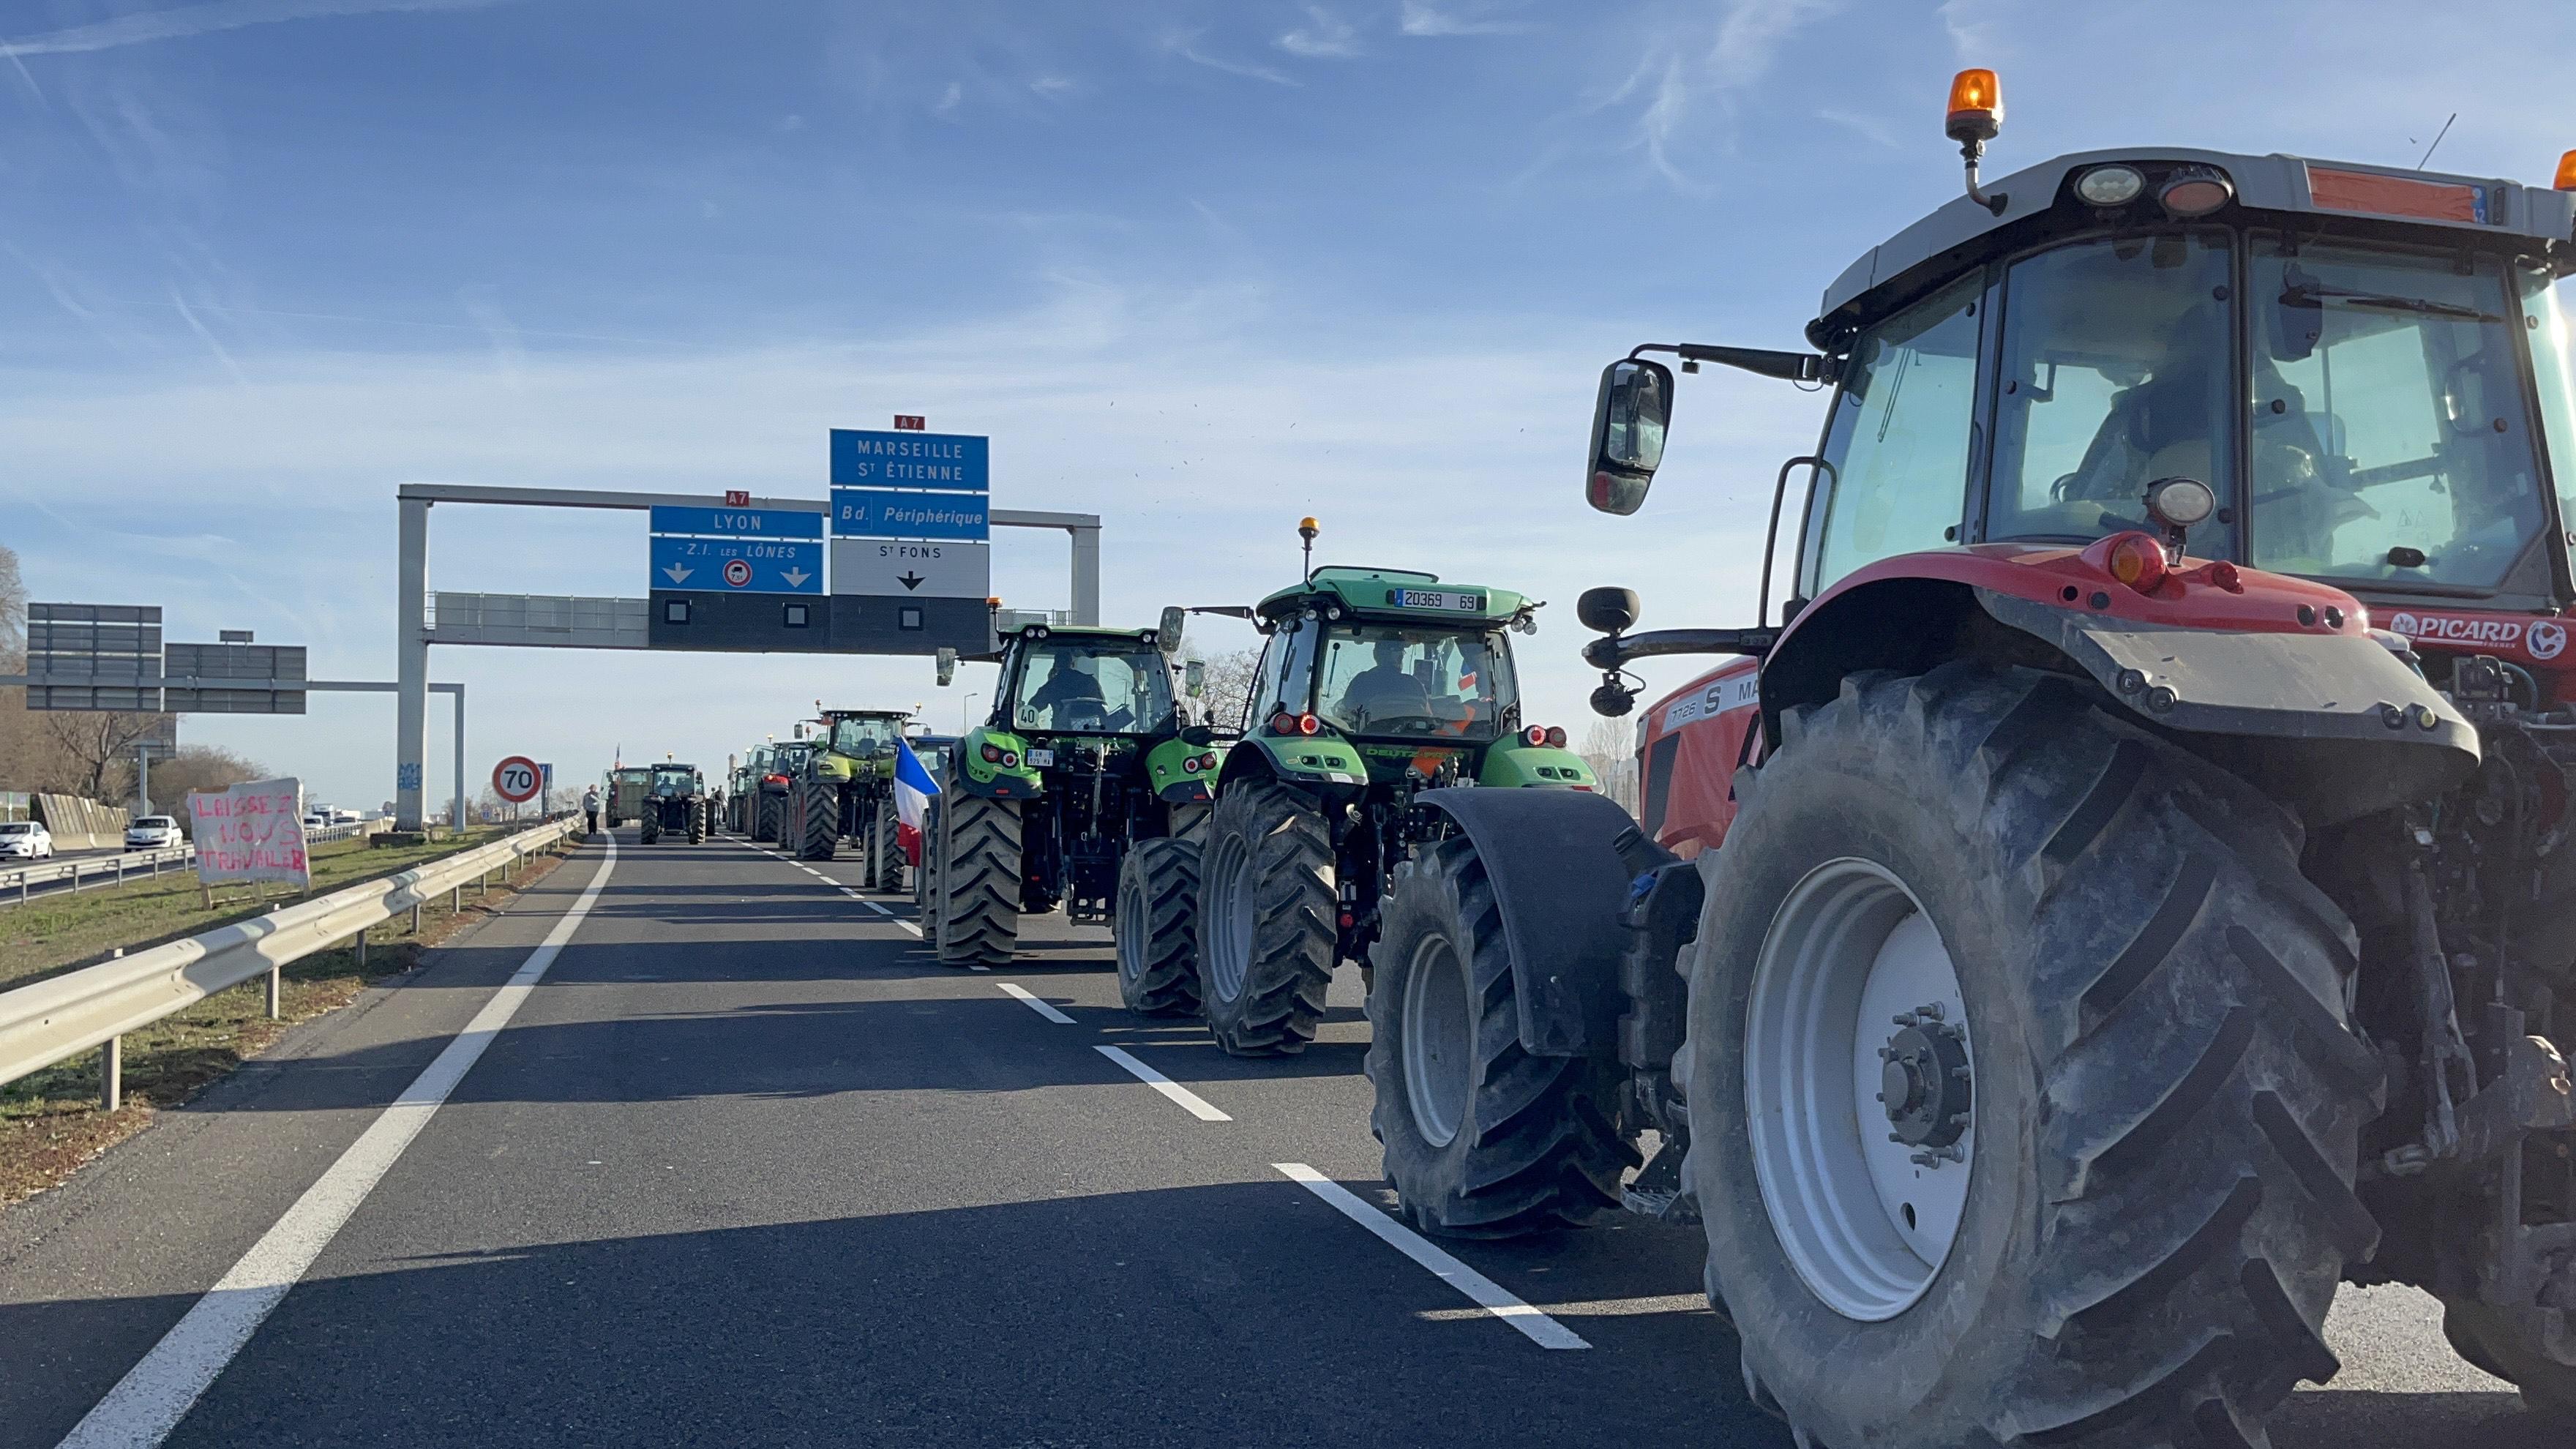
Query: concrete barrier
x=78, y=824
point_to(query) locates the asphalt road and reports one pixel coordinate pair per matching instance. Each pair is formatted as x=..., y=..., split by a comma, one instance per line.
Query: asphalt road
x=749, y=1167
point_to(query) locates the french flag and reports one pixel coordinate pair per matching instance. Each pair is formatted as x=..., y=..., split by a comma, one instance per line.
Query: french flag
x=913, y=788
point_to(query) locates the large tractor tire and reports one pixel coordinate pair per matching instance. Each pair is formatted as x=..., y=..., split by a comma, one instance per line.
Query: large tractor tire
x=979, y=881
x=650, y=831
x=1482, y=1139
x=2019, y=1066
x=697, y=822
x=925, y=881
x=1157, y=927
x=885, y=858
x=766, y=813
x=818, y=819
x=1266, y=930
x=2494, y=1340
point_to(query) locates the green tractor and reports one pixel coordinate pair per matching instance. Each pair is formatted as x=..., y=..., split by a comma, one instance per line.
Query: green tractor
x=1087, y=787
x=741, y=783
x=675, y=803
x=1375, y=685
x=848, y=790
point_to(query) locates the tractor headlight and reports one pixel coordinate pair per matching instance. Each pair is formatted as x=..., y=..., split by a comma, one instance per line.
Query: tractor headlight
x=2110, y=185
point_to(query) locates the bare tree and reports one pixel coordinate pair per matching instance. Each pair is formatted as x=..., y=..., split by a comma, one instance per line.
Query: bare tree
x=198, y=767
x=1608, y=747
x=1227, y=691
x=97, y=749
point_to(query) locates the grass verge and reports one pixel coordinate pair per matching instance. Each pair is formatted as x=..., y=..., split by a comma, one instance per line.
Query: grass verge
x=50, y=1122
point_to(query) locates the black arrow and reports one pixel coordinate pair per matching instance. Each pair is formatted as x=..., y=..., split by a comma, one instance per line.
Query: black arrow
x=910, y=581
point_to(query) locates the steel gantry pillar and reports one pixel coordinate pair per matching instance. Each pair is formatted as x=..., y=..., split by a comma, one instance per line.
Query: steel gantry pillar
x=411, y=669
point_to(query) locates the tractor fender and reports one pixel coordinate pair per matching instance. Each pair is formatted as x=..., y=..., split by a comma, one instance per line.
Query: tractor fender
x=1559, y=886
x=1315, y=763
x=2319, y=712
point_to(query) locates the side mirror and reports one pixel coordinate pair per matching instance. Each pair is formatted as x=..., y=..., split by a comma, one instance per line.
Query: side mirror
x=1607, y=611
x=1628, y=420
x=1167, y=633
x=1194, y=678
x=947, y=663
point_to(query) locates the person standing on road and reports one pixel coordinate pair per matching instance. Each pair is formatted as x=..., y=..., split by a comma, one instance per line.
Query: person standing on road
x=590, y=811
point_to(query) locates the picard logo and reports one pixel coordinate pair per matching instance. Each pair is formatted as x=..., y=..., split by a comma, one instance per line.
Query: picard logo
x=2463, y=631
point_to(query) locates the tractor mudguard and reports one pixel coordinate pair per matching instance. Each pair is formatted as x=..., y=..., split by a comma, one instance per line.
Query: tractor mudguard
x=1182, y=773
x=995, y=779
x=1514, y=762
x=1560, y=886
x=2273, y=678
x=1316, y=762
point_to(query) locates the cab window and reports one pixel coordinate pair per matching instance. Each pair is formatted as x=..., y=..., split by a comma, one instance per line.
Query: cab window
x=1115, y=690
x=1285, y=681
x=1897, y=448
x=1387, y=679
x=2115, y=374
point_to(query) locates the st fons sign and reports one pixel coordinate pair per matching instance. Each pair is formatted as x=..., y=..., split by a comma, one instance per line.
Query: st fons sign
x=250, y=832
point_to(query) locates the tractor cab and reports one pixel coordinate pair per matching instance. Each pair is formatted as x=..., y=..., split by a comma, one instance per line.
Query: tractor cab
x=862, y=734
x=2166, y=358
x=673, y=782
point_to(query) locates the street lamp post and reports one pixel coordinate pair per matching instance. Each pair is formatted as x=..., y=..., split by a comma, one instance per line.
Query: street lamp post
x=964, y=713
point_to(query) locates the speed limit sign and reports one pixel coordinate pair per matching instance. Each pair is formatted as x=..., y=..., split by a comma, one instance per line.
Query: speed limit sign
x=516, y=779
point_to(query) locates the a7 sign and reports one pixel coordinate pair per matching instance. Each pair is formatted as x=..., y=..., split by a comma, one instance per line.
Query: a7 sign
x=516, y=779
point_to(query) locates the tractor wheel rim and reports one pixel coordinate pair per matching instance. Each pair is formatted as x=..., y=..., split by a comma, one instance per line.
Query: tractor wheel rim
x=1439, y=1041
x=1230, y=902
x=1865, y=1193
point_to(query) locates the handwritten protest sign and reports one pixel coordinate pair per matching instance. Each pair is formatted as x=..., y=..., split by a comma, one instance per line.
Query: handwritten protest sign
x=250, y=832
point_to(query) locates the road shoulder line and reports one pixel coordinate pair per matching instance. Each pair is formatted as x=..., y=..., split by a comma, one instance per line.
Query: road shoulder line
x=1495, y=1299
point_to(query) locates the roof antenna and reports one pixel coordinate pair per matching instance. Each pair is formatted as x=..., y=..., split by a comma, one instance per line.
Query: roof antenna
x=1306, y=530
x=2437, y=141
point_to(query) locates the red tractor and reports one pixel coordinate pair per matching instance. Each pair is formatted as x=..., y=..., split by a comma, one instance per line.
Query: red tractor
x=2130, y=891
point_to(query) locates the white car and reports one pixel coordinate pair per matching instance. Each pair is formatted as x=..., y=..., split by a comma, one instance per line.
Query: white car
x=318, y=820
x=152, y=832
x=25, y=840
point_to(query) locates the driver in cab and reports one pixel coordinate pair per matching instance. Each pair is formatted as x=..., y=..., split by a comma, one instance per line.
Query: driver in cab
x=1071, y=697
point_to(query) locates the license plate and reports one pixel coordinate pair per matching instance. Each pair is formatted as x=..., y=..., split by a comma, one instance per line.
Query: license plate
x=1438, y=599
x=1041, y=759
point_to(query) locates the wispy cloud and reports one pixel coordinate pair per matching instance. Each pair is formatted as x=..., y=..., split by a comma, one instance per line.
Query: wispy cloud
x=1422, y=20
x=207, y=337
x=1868, y=128
x=1324, y=36
x=184, y=21
x=1186, y=46
x=1673, y=81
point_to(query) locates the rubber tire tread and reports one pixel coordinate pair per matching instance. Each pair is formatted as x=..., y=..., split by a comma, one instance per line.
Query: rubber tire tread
x=2487, y=1339
x=1158, y=975
x=2167, y=1146
x=697, y=822
x=768, y=823
x=1293, y=935
x=979, y=917
x=1538, y=1148
x=817, y=819
x=884, y=870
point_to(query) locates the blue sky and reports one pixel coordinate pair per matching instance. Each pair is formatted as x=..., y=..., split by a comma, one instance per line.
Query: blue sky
x=1198, y=267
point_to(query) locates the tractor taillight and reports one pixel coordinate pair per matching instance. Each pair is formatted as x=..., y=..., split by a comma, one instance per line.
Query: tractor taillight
x=1208, y=761
x=1307, y=724
x=2138, y=560
x=1535, y=734
x=1190, y=765
x=992, y=754
x=1556, y=737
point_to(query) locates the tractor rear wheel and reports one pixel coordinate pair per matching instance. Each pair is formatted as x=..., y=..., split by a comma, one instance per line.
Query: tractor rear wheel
x=766, y=813
x=697, y=822
x=1266, y=932
x=885, y=857
x=1157, y=927
x=818, y=819
x=979, y=881
x=651, y=831
x=2019, y=1064
x=2488, y=1337
x=1482, y=1138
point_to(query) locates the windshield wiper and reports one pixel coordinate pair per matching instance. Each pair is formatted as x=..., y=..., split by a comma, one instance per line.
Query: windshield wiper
x=2311, y=294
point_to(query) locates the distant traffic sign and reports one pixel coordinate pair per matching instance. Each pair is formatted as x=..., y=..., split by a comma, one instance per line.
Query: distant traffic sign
x=737, y=497
x=746, y=565
x=911, y=423
x=867, y=459
x=738, y=522
x=900, y=569
x=904, y=513
x=517, y=779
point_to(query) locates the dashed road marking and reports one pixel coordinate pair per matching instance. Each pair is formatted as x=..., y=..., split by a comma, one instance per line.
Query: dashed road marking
x=1190, y=1101
x=1041, y=1008
x=1495, y=1299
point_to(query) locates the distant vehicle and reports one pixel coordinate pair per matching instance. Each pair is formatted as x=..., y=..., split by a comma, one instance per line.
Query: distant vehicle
x=152, y=832
x=25, y=840
x=344, y=817
x=317, y=820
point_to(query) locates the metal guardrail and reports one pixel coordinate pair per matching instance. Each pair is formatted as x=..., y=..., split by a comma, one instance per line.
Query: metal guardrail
x=119, y=866
x=65, y=1015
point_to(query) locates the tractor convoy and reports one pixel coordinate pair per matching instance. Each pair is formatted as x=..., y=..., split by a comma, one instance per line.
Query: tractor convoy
x=2124, y=894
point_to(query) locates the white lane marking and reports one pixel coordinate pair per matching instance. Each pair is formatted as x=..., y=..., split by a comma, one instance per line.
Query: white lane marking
x=1540, y=1329
x=1190, y=1101
x=978, y=968
x=891, y=916
x=1040, y=1007
x=157, y=1392
x=853, y=895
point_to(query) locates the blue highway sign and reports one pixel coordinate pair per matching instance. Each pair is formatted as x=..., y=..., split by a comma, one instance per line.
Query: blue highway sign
x=896, y=513
x=738, y=565
x=738, y=522
x=862, y=459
